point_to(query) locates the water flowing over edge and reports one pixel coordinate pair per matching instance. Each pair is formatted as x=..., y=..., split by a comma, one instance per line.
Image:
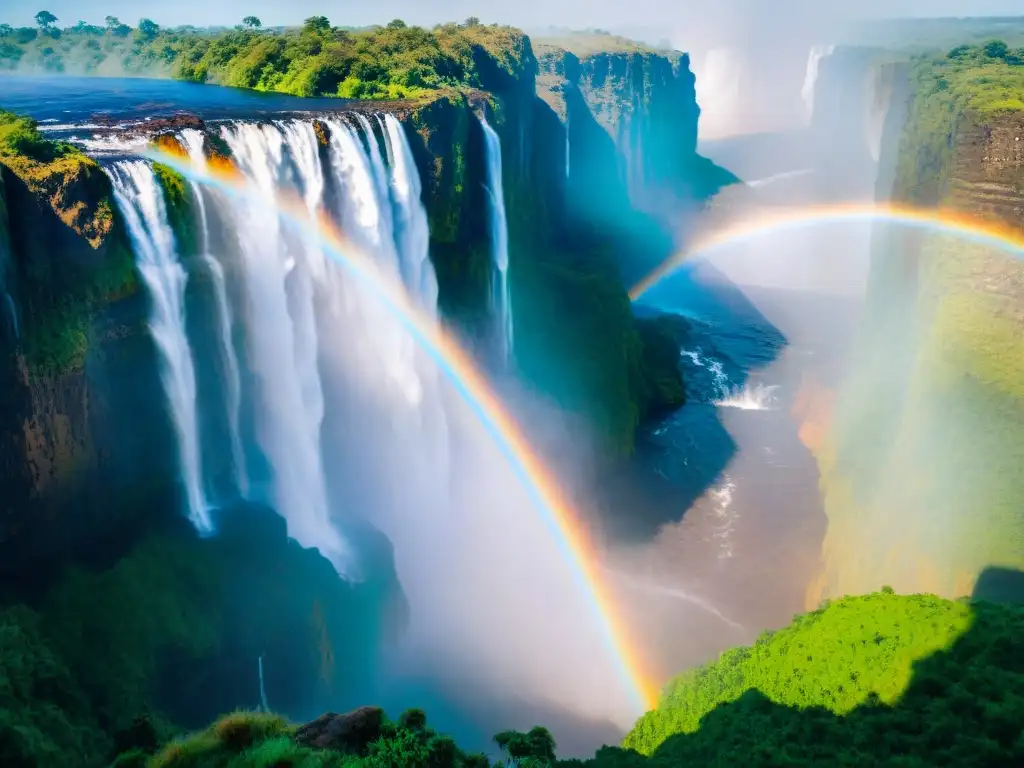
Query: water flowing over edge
x=499, y=242
x=141, y=201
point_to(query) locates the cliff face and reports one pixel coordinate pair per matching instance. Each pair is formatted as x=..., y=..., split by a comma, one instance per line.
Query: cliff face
x=87, y=448
x=921, y=466
x=84, y=431
x=630, y=149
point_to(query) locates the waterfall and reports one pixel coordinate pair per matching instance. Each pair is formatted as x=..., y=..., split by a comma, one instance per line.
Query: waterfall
x=281, y=335
x=411, y=228
x=12, y=314
x=567, y=119
x=352, y=421
x=193, y=141
x=499, y=240
x=141, y=201
x=817, y=53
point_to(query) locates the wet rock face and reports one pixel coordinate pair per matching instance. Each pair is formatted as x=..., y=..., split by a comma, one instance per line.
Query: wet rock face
x=350, y=733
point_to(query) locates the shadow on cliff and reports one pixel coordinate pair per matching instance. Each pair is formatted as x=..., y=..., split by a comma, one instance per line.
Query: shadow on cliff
x=680, y=457
x=963, y=706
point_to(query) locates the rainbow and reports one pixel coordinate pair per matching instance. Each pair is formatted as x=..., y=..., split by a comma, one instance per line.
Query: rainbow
x=941, y=220
x=459, y=369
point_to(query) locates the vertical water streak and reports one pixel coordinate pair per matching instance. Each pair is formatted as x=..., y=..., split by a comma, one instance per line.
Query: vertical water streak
x=141, y=202
x=10, y=308
x=817, y=53
x=263, y=689
x=412, y=231
x=567, y=119
x=278, y=334
x=380, y=177
x=499, y=241
x=304, y=150
x=193, y=141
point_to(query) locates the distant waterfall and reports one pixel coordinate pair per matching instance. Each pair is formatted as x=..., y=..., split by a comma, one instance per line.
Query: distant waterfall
x=141, y=201
x=499, y=240
x=817, y=53
x=9, y=308
x=567, y=120
x=12, y=314
x=193, y=141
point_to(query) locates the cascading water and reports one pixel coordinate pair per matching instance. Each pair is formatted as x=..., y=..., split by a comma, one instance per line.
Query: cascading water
x=411, y=227
x=141, y=201
x=499, y=240
x=281, y=332
x=193, y=141
x=567, y=121
x=387, y=429
x=817, y=53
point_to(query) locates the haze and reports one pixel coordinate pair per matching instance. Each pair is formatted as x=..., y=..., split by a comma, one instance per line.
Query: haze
x=718, y=17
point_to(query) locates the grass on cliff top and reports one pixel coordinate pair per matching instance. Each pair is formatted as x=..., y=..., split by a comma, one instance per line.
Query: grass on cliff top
x=986, y=79
x=879, y=679
x=590, y=43
x=395, y=61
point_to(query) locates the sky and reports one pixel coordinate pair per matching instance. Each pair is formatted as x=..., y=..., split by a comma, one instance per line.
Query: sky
x=672, y=14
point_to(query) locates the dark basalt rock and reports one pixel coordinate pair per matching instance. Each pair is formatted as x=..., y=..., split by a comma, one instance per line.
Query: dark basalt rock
x=351, y=732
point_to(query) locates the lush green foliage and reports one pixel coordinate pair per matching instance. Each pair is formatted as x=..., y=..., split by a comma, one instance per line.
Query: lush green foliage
x=880, y=679
x=985, y=80
x=255, y=740
x=21, y=136
x=864, y=681
x=60, y=296
x=172, y=632
x=395, y=61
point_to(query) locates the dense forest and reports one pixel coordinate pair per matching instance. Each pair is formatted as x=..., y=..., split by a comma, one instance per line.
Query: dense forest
x=395, y=61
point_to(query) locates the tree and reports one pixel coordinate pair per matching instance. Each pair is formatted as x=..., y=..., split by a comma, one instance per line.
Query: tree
x=535, y=747
x=112, y=22
x=148, y=28
x=316, y=24
x=252, y=22
x=397, y=24
x=472, y=21
x=996, y=49
x=45, y=20
x=6, y=30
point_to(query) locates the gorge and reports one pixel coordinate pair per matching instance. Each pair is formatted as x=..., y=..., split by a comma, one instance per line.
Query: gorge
x=311, y=402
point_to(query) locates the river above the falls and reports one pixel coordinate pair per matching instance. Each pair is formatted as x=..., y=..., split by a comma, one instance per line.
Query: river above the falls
x=736, y=556
x=78, y=102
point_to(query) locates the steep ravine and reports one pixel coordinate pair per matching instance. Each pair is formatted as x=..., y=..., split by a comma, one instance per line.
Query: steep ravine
x=920, y=466
x=86, y=443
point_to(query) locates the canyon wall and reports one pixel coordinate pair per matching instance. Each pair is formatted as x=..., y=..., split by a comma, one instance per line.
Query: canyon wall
x=920, y=467
x=86, y=447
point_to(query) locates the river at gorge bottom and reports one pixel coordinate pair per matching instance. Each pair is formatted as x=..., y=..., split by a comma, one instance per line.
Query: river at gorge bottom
x=745, y=540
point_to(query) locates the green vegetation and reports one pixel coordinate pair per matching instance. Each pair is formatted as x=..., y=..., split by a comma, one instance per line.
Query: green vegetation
x=171, y=633
x=390, y=62
x=924, y=493
x=60, y=296
x=984, y=81
x=587, y=43
x=881, y=679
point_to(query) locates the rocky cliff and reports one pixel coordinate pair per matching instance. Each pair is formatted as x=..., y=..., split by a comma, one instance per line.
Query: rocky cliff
x=920, y=468
x=630, y=118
